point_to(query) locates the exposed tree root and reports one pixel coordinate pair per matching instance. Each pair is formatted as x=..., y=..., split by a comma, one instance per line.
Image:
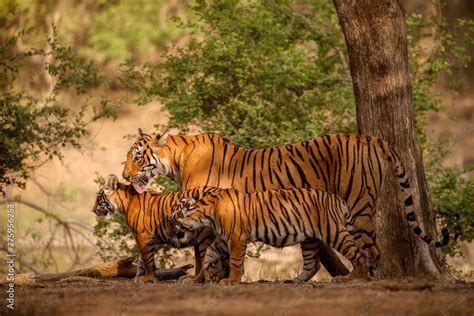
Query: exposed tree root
x=121, y=268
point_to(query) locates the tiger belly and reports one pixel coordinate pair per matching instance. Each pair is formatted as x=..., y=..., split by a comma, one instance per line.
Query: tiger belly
x=283, y=240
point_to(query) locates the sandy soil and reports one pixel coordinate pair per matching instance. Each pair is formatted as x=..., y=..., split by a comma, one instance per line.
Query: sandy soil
x=124, y=297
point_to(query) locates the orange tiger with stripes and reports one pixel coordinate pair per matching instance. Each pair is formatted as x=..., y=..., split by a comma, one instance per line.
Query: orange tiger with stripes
x=277, y=217
x=280, y=218
x=350, y=166
x=147, y=215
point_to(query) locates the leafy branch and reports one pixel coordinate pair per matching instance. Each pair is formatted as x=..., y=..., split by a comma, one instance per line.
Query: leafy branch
x=34, y=128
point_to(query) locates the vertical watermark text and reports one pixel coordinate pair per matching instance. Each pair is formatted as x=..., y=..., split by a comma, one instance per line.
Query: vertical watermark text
x=11, y=256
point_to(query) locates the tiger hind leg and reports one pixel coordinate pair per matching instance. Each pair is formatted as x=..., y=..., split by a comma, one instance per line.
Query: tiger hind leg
x=310, y=251
x=356, y=255
x=369, y=244
x=365, y=237
x=203, y=247
x=374, y=256
x=216, y=262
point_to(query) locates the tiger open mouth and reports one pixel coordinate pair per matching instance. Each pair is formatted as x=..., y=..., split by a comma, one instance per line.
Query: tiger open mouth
x=140, y=184
x=139, y=188
x=100, y=212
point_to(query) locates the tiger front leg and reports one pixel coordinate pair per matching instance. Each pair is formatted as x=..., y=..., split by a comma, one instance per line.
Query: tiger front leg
x=199, y=270
x=146, y=246
x=198, y=260
x=140, y=268
x=199, y=253
x=236, y=261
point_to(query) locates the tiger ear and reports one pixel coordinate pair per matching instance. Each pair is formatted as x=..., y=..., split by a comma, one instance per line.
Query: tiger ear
x=160, y=140
x=199, y=196
x=193, y=200
x=186, y=203
x=140, y=133
x=112, y=183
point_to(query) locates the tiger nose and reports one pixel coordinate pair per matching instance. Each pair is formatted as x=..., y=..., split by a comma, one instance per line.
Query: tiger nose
x=125, y=175
x=180, y=235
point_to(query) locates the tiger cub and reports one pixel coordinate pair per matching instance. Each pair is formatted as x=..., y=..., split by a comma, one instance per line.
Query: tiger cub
x=147, y=216
x=276, y=217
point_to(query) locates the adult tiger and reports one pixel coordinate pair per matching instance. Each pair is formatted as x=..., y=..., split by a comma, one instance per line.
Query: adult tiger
x=280, y=218
x=350, y=166
x=147, y=215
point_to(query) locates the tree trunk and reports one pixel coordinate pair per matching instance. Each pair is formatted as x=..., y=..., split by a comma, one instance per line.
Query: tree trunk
x=376, y=36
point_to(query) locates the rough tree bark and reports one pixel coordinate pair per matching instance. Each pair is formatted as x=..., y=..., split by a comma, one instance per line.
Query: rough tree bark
x=376, y=36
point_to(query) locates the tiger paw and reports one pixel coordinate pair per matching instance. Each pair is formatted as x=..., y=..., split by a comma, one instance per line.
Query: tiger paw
x=342, y=279
x=140, y=272
x=144, y=279
x=352, y=276
x=189, y=280
x=294, y=281
x=213, y=276
x=228, y=281
x=185, y=280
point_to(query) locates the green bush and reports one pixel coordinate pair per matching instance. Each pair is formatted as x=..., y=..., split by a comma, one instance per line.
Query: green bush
x=261, y=72
x=35, y=126
x=133, y=29
x=451, y=189
x=38, y=121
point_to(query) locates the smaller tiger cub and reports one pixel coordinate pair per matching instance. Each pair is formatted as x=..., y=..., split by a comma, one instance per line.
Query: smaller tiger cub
x=277, y=217
x=147, y=215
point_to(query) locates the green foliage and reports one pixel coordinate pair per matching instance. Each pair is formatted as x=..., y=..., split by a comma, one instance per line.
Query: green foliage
x=133, y=29
x=166, y=185
x=115, y=238
x=265, y=73
x=448, y=52
x=34, y=129
x=452, y=190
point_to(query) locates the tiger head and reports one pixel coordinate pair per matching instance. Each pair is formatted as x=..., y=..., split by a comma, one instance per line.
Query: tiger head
x=111, y=197
x=148, y=158
x=191, y=217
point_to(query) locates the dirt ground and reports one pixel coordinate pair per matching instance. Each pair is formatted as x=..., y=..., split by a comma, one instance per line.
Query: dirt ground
x=124, y=297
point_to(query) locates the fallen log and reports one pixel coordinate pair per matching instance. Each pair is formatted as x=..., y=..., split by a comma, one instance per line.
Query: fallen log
x=123, y=267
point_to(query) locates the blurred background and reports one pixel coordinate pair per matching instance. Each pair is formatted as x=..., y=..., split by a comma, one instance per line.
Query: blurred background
x=79, y=78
